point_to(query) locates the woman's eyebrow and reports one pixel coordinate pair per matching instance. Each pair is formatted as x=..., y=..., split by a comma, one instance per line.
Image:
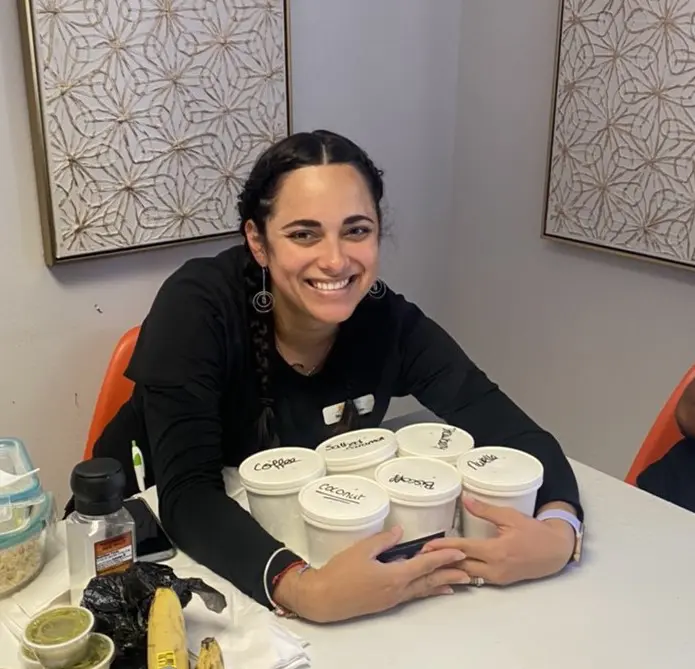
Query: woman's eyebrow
x=311, y=223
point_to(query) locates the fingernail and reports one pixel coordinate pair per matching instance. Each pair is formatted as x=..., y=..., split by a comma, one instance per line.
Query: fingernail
x=464, y=580
x=447, y=591
x=460, y=555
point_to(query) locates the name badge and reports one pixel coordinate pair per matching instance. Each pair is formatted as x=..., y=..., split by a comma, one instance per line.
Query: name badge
x=332, y=414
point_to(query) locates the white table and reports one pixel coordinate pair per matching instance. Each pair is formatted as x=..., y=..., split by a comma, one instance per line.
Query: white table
x=631, y=603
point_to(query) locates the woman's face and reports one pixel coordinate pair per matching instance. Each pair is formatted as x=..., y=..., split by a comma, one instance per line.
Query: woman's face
x=322, y=245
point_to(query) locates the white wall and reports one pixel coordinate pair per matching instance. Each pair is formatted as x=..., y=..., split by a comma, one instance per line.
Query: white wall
x=395, y=93
x=589, y=343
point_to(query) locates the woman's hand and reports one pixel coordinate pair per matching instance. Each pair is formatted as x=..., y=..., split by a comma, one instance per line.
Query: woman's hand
x=524, y=549
x=354, y=583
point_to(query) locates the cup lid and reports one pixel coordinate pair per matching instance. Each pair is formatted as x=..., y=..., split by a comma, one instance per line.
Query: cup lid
x=281, y=470
x=500, y=469
x=15, y=459
x=419, y=480
x=344, y=501
x=359, y=448
x=434, y=440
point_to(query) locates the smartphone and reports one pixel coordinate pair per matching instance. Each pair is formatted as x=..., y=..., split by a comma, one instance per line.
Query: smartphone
x=151, y=541
x=407, y=549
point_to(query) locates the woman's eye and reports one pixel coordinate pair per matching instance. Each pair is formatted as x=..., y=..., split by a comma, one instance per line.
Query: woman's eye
x=359, y=231
x=302, y=235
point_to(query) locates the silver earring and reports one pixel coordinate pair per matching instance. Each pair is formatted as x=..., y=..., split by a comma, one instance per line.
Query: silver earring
x=378, y=289
x=263, y=300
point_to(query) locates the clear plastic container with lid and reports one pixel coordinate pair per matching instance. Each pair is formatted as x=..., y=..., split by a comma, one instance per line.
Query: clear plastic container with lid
x=424, y=495
x=339, y=511
x=501, y=476
x=434, y=440
x=26, y=515
x=272, y=480
x=358, y=452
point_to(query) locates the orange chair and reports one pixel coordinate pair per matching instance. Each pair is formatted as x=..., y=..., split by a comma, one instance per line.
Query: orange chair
x=663, y=434
x=116, y=389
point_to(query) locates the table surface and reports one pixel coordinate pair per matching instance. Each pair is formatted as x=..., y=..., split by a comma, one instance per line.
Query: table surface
x=630, y=603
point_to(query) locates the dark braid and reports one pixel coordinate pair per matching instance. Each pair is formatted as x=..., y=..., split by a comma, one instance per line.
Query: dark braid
x=261, y=328
x=255, y=203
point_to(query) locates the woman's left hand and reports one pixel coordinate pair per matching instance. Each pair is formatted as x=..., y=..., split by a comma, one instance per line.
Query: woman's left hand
x=524, y=549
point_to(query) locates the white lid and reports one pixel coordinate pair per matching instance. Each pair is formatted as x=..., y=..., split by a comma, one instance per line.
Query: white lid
x=280, y=471
x=360, y=448
x=434, y=440
x=500, y=469
x=344, y=501
x=419, y=480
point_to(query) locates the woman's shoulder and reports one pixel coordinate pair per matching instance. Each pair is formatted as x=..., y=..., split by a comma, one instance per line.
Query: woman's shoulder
x=388, y=308
x=196, y=316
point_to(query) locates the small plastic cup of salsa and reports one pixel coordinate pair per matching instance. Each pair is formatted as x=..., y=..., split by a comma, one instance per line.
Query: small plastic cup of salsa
x=59, y=637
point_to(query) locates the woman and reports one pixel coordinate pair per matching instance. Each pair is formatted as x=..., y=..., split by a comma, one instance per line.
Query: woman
x=671, y=477
x=244, y=351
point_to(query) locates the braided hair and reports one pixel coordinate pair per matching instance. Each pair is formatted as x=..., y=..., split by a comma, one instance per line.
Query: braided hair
x=255, y=203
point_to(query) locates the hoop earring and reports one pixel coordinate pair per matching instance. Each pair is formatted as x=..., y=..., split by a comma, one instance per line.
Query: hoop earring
x=263, y=300
x=377, y=289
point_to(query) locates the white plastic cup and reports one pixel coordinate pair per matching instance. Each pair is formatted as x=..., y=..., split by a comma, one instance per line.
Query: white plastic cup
x=434, y=440
x=272, y=480
x=424, y=495
x=358, y=452
x=339, y=511
x=500, y=476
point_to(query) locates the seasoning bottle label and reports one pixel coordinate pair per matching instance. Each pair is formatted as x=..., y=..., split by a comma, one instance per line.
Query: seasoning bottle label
x=114, y=554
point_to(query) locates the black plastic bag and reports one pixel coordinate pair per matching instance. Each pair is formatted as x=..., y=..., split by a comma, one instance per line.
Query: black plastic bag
x=121, y=606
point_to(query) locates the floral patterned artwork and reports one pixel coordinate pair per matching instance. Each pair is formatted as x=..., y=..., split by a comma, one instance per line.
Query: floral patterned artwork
x=152, y=113
x=622, y=164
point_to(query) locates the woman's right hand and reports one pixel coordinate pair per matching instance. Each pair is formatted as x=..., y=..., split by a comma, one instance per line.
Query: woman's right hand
x=354, y=583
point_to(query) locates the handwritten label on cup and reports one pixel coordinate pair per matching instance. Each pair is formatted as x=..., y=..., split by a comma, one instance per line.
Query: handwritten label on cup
x=353, y=445
x=329, y=491
x=278, y=463
x=419, y=483
x=443, y=442
x=481, y=462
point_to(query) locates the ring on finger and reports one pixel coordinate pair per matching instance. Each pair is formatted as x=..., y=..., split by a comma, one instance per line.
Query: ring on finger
x=478, y=581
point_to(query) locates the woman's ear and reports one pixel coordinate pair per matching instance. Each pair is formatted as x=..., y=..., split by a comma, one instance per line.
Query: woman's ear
x=256, y=243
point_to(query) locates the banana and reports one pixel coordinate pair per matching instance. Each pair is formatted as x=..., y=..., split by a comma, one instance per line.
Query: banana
x=210, y=656
x=166, y=632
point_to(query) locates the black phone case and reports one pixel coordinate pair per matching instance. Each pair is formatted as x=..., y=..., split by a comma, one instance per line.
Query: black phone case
x=407, y=549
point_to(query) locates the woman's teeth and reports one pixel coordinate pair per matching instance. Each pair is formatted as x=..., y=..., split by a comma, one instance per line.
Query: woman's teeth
x=330, y=285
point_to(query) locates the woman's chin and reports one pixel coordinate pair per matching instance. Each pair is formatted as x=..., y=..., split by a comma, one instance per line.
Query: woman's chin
x=333, y=314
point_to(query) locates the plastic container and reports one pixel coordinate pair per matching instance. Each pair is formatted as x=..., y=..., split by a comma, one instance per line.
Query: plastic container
x=23, y=550
x=359, y=452
x=434, y=440
x=28, y=659
x=100, y=532
x=339, y=511
x=60, y=636
x=17, y=500
x=500, y=476
x=424, y=495
x=272, y=480
x=100, y=653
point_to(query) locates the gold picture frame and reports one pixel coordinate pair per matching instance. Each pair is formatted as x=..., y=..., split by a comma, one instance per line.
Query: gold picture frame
x=621, y=159
x=145, y=122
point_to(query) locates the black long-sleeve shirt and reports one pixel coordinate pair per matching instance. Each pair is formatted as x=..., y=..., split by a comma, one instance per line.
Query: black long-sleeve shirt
x=196, y=401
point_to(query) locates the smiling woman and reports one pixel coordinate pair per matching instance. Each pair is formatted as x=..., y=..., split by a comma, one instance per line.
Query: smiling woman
x=275, y=342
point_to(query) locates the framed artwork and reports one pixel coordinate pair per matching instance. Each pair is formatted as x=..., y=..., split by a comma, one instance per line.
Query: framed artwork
x=621, y=172
x=147, y=116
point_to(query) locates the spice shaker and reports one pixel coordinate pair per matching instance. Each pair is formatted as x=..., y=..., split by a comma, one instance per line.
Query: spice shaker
x=100, y=531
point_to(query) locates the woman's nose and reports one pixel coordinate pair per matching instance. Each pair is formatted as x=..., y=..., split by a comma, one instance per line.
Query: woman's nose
x=333, y=258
